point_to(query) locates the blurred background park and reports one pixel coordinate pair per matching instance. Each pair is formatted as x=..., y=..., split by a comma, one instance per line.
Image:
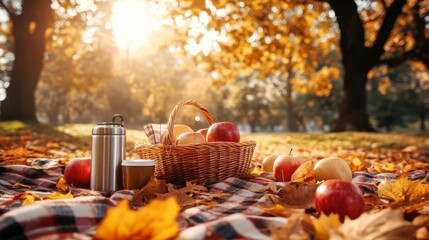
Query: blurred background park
x=268, y=65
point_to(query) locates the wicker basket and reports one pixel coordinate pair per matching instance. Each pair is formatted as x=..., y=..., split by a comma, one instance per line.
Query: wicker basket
x=205, y=163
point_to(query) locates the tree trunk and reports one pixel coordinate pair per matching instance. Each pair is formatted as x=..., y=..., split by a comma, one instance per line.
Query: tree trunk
x=291, y=120
x=353, y=114
x=29, y=47
x=358, y=60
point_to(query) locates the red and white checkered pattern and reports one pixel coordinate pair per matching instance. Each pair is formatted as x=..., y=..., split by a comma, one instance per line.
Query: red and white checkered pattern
x=235, y=215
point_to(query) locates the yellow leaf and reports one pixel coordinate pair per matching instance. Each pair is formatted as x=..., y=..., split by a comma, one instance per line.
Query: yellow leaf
x=57, y=195
x=403, y=189
x=304, y=173
x=154, y=221
x=61, y=185
x=281, y=211
x=324, y=224
x=28, y=199
x=357, y=165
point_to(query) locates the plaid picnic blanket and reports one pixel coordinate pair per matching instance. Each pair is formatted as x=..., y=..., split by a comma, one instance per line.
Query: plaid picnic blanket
x=235, y=216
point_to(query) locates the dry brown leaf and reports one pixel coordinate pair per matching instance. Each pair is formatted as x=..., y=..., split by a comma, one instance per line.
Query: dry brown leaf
x=154, y=221
x=387, y=224
x=403, y=189
x=410, y=149
x=271, y=187
x=184, y=195
x=304, y=173
x=298, y=195
x=325, y=224
x=149, y=191
x=292, y=229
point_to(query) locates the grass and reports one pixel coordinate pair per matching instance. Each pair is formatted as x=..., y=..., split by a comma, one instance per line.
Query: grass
x=308, y=144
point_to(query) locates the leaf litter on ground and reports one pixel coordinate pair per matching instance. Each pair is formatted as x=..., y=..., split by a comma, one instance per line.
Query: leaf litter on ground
x=371, y=152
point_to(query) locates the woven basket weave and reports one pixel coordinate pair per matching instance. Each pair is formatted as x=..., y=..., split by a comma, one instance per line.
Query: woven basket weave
x=205, y=163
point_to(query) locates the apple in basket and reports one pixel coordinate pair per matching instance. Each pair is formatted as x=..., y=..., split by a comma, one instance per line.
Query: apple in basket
x=179, y=129
x=223, y=132
x=203, y=131
x=340, y=197
x=188, y=138
x=78, y=172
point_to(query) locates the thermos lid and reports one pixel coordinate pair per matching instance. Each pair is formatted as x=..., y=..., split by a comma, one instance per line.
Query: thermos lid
x=110, y=128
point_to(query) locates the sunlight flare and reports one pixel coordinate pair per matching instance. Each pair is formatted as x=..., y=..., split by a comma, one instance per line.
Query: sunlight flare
x=133, y=23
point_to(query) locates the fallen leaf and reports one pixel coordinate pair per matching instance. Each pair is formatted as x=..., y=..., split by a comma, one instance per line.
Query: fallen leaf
x=298, y=195
x=51, y=145
x=409, y=149
x=31, y=197
x=403, y=189
x=20, y=185
x=357, y=165
x=387, y=224
x=281, y=210
x=184, y=195
x=28, y=199
x=383, y=167
x=304, y=173
x=156, y=220
x=292, y=229
x=58, y=195
x=271, y=187
x=62, y=185
x=149, y=191
x=325, y=224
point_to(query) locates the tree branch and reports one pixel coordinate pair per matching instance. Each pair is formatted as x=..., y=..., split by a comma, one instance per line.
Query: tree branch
x=395, y=61
x=383, y=3
x=392, y=13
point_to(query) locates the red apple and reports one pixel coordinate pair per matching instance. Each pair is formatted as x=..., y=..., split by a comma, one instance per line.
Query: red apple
x=188, y=138
x=203, y=131
x=223, y=132
x=340, y=197
x=285, y=165
x=78, y=172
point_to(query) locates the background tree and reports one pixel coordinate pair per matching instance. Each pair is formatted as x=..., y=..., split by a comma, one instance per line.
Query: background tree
x=30, y=21
x=250, y=34
x=237, y=38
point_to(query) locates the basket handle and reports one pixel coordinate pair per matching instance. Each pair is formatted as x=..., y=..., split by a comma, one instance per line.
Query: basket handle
x=167, y=138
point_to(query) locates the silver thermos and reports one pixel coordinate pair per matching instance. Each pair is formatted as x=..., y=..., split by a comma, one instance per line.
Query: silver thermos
x=108, y=151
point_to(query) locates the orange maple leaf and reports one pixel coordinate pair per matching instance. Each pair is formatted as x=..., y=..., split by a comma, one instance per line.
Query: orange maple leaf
x=154, y=221
x=403, y=189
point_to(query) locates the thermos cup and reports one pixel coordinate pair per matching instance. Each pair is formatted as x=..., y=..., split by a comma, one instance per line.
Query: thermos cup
x=108, y=151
